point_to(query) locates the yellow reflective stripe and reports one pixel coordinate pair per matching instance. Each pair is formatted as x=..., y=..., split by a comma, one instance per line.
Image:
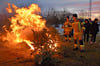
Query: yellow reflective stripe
x=79, y=27
x=66, y=25
x=69, y=38
x=81, y=45
x=66, y=38
x=75, y=45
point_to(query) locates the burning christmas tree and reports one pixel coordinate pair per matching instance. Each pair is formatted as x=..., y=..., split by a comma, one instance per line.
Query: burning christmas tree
x=28, y=26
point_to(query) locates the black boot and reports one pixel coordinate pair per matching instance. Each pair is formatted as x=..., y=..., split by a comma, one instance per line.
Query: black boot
x=82, y=50
x=75, y=49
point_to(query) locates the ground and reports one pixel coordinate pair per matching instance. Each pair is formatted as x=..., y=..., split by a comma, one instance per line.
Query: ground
x=16, y=57
x=91, y=56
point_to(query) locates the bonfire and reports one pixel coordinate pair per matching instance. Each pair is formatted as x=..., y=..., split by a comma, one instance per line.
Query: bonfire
x=28, y=26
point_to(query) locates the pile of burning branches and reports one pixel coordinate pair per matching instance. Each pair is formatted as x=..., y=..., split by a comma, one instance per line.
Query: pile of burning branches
x=29, y=27
x=45, y=47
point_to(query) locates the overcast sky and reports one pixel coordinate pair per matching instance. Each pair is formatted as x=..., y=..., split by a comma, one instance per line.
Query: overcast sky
x=71, y=5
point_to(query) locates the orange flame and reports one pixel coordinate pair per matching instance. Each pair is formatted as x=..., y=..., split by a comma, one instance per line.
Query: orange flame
x=24, y=18
x=24, y=21
x=9, y=10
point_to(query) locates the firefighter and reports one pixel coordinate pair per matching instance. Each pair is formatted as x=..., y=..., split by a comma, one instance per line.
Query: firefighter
x=94, y=31
x=86, y=32
x=67, y=29
x=78, y=33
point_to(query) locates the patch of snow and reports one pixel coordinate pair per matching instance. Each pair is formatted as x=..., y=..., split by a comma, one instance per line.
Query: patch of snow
x=60, y=30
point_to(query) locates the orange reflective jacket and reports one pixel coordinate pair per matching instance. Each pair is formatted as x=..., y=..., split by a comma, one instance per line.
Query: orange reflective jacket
x=67, y=26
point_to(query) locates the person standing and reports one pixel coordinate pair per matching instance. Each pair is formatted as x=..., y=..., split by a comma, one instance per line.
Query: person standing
x=94, y=31
x=90, y=28
x=86, y=31
x=67, y=29
x=90, y=21
x=78, y=34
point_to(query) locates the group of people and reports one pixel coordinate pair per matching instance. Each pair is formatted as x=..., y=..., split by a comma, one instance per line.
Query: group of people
x=81, y=31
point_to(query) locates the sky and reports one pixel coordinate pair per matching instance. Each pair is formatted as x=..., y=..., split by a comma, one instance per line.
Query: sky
x=71, y=5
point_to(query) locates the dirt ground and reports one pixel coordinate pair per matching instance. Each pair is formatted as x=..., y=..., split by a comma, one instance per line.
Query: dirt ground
x=21, y=57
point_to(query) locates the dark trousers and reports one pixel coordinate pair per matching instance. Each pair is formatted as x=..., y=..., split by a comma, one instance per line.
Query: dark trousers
x=86, y=36
x=80, y=42
x=72, y=33
x=93, y=38
x=68, y=35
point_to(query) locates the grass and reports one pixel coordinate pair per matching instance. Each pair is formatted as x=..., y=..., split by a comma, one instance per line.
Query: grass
x=91, y=56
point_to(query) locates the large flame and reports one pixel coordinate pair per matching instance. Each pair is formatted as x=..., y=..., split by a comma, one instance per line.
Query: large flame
x=24, y=18
x=24, y=21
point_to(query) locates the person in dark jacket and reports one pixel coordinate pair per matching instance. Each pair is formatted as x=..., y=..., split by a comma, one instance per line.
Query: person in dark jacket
x=94, y=31
x=86, y=32
x=90, y=21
